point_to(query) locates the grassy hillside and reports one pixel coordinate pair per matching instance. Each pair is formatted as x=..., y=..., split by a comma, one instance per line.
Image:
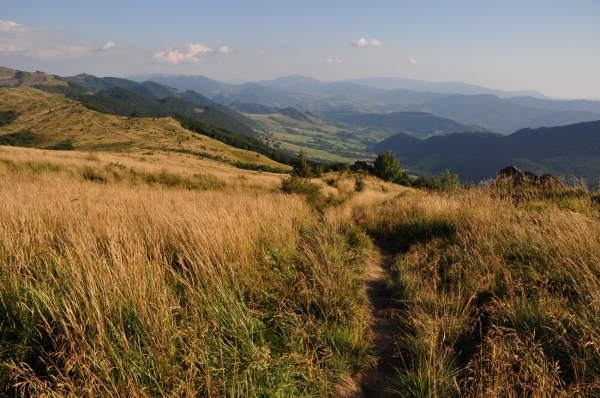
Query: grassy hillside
x=169, y=275
x=497, y=292
x=144, y=279
x=16, y=78
x=53, y=119
x=567, y=151
x=297, y=131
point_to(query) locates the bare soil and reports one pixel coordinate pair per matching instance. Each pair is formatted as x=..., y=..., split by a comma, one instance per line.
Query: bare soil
x=377, y=381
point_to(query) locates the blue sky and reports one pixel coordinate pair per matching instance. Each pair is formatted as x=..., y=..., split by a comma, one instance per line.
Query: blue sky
x=550, y=46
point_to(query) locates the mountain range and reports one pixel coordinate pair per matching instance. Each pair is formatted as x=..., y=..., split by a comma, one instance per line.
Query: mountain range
x=566, y=151
x=491, y=109
x=339, y=121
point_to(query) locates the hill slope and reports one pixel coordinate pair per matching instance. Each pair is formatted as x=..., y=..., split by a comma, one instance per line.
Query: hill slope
x=419, y=124
x=508, y=115
x=567, y=151
x=53, y=119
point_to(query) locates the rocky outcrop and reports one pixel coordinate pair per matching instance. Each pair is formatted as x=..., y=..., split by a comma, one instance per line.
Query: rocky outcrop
x=513, y=177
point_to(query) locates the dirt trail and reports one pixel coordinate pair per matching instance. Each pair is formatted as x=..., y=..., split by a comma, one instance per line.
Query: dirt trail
x=376, y=381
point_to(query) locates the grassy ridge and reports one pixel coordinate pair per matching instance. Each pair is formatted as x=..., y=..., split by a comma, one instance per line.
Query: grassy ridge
x=140, y=284
x=499, y=290
x=53, y=119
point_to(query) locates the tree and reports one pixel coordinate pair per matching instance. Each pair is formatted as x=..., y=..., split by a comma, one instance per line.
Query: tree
x=302, y=167
x=449, y=181
x=387, y=167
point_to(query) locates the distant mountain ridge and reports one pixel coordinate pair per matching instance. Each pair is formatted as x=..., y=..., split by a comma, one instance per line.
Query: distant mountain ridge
x=500, y=115
x=418, y=124
x=492, y=109
x=567, y=151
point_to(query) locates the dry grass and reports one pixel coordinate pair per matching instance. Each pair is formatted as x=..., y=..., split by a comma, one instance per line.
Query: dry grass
x=128, y=285
x=54, y=118
x=500, y=292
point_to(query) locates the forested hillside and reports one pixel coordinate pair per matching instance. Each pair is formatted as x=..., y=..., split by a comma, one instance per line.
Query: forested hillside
x=567, y=151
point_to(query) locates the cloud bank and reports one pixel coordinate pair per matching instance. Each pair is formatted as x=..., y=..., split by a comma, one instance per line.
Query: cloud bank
x=189, y=53
x=34, y=42
x=367, y=43
x=333, y=61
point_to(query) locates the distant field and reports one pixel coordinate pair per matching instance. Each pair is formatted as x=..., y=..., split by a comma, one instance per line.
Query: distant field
x=317, y=138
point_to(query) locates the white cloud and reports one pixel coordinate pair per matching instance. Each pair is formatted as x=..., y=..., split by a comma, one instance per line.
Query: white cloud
x=13, y=29
x=190, y=53
x=34, y=42
x=367, y=43
x=224, y=50
x=108, y=45
x=9, y=49
x=198, y=49
x=333, y=61
x=413, y=61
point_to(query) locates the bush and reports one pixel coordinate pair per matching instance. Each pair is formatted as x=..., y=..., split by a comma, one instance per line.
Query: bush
x=387, y=167
x=403, y=179
x=21, y=138
x=359, y=185
x=447, y=182
x=7, y=117
x=65, y=145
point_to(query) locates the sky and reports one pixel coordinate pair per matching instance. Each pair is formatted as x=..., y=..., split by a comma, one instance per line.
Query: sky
x=550, y=46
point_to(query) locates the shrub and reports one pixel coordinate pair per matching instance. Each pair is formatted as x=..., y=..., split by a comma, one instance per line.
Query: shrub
x=387, y=167
x=66, y=145
x=21, y=138
x=359, y=185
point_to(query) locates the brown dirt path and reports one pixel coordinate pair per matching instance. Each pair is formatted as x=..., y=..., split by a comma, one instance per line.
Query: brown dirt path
x=376, y=381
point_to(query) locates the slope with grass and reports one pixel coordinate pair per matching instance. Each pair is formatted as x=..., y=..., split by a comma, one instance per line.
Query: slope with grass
x=17, y=78
x=52, y=119
x=498, y=291
x=294, y=131
x=170, y=279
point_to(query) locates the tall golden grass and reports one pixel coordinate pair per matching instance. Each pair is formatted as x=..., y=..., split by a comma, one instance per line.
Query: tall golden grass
x=500, y=291
x=127, y=285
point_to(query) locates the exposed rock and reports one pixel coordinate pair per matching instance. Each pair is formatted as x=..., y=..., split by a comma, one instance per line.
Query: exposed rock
x=512, y=177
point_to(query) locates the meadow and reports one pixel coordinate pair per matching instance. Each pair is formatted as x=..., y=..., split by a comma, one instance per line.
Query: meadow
x=124, y=278
x=180, y=276
x=498, y=291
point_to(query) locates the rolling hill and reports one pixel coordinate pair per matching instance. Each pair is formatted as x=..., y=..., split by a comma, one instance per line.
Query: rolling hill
x=566, y=151
x=293, y=131
x=123, y=102
x=46, y=120
x=418, y=124
x=558, y=105
x=501, y=115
